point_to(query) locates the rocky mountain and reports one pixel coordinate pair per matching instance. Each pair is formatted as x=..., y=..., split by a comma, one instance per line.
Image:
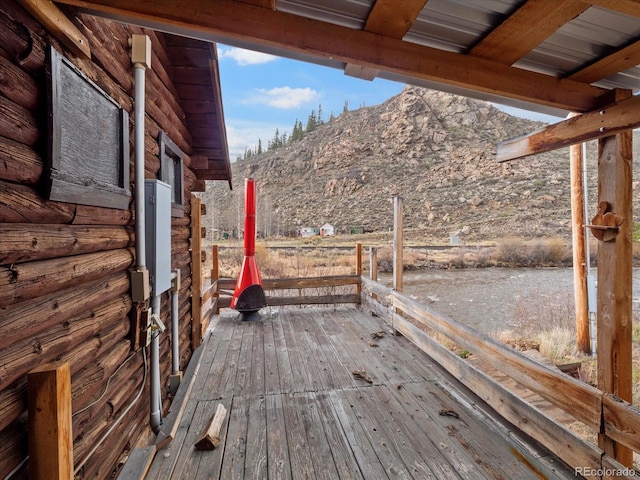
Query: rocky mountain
x=434, y=149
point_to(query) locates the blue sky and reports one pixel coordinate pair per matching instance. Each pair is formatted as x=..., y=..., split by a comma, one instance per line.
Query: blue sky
x=261, y=92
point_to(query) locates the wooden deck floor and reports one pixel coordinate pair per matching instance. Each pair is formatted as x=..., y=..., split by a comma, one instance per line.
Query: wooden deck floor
x=297, y=411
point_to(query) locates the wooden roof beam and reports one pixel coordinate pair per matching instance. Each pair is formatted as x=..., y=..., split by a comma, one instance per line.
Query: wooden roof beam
x=391, y=19
x=619, y=61
x=628, y=7
x=620, y=116
x=59, y=25
x=529, y=26
x=232, y=22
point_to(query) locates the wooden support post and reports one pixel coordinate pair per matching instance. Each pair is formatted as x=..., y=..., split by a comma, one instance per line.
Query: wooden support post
x=614, y=277
x=373, y=264
x=215, y=276
x=358, y=267
x=397, y=243
x=196, y=271
x=579, y=250
x=50, y=428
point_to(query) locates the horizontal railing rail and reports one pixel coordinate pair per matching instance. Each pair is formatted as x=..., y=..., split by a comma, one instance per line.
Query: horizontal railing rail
x=302, y=286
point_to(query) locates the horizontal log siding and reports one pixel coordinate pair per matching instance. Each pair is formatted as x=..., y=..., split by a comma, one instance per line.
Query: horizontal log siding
x=64, y=268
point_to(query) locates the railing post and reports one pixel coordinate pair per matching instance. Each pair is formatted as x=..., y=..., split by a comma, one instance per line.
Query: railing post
x=50, y=426
x=359, y=267
x=196, y=272
x=373, y=263
x=215, y=275
x=397, y=243
x=615, y=269
x=580, y=259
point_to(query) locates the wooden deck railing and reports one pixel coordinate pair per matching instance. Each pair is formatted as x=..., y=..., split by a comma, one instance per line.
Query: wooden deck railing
x=598, y=410
x=606, y=414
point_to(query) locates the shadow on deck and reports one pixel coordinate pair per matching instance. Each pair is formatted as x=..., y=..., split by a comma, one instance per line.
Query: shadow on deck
x=296, y=410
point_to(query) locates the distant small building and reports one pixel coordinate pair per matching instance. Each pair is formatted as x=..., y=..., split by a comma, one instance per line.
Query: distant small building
x=309, y=231
x=327, y=230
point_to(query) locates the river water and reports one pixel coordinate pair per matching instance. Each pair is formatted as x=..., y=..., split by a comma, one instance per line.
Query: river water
x=493, y=299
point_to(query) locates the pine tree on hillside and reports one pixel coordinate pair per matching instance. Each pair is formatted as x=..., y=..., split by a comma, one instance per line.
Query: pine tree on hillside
x=311, y=122
x=259, y=146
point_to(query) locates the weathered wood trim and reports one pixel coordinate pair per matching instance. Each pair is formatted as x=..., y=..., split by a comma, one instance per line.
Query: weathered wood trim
x=50, y=437
x=604, y=122
x=196, y=266
x=615, y=270
x=46, y=12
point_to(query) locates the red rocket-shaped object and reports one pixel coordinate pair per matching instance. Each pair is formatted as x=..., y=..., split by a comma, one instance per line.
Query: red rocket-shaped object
x=248, y=296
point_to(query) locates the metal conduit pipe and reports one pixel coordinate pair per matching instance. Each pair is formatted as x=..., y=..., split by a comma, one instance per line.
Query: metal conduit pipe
x=175, y=334
x=154, y=364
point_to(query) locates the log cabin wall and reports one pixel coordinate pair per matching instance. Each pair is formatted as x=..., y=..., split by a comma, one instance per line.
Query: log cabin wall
x=64, y=268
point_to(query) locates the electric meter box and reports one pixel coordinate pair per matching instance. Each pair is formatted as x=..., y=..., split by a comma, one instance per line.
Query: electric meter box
x=158, y=233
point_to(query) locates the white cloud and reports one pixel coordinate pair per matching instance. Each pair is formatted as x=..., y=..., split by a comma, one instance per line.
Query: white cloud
x=245, y=134
x=282, y=97
x=245, y=57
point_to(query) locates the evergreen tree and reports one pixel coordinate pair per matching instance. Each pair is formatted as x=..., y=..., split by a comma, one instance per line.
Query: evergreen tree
x=332, y=117
x=283, y=139
x=311, y=121
x=345, y=108
x=276, y=142
x=259, y=146
x=319, y=120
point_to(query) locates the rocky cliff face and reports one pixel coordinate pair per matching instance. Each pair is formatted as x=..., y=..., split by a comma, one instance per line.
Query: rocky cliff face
x=434, y=149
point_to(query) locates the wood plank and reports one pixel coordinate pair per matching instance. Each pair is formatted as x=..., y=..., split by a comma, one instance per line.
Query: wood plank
x=285, y=370
x=526, y=28
x=213, y=348
x=171, y=422
x=398, y=263
x=401, y=409
x=299, y=378
x=50, y=435
x=343, y=457
x=278, y=463
x=47, y=13
x=308, y=351
x=235, y=454
x=369, y=463
x=242, y=384
x=307, y=282
x=237, y=22
x=323, y=458
x=604, y=122
x=619, y=61
x=257, y=360
x=368, y=358
x=222, y=370
x=393, y=439
x=271, y=372
x=138, y=464
x=300, y=454
x=373, y=431
x=256, y=465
